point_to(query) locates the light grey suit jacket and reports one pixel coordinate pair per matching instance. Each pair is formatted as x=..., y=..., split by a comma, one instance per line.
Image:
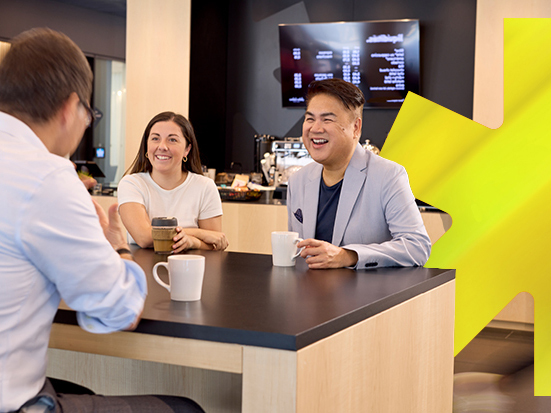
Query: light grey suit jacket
x=377, y=216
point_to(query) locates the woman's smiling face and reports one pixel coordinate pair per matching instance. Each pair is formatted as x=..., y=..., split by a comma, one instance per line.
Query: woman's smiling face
x=166, y=147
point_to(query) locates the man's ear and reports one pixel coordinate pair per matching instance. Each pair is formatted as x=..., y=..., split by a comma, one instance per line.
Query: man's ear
x=358, y=128
x=68, y=110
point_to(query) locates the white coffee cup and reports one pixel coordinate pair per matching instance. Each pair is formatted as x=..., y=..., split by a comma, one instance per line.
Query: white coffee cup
x=211, y=173
x=284, y=248
x=185, y=275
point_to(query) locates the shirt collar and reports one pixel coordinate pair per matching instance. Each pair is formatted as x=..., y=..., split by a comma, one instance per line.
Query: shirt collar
x=10, y=125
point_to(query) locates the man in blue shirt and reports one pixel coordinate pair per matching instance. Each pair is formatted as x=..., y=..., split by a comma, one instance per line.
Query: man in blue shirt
x=353, y=208
x=52, y=244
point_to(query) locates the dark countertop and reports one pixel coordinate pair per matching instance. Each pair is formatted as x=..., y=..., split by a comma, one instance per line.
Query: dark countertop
x=248, y=301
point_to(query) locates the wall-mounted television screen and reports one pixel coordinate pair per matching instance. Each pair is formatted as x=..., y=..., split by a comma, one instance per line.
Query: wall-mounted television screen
x=380, y=57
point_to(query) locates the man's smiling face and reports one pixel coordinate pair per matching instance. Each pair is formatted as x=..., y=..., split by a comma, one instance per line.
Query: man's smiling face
x=330, y=131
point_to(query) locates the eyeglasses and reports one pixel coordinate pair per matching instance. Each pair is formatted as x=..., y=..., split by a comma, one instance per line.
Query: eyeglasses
x=91, y=115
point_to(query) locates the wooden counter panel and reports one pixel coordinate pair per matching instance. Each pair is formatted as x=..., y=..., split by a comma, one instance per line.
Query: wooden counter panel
x=407, y=350
x=269, y=380
x=249, y=226
x=184, y=352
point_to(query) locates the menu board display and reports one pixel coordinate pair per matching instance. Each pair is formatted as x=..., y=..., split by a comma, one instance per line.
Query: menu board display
x=380, y=57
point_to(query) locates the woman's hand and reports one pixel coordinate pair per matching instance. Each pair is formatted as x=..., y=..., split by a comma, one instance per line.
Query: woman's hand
x=217, y=239
x=208, y=239
x=183, y=241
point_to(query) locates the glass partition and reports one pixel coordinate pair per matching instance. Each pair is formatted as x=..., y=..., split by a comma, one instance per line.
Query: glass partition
x=109, y=129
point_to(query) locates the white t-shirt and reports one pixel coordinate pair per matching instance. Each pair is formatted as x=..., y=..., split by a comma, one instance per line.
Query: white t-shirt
x=195, y=199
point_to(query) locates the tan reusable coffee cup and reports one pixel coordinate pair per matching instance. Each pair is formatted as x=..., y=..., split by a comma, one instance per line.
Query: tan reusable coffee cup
x=163, y=230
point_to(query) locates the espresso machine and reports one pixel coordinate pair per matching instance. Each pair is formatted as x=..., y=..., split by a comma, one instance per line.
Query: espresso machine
x=278, y=158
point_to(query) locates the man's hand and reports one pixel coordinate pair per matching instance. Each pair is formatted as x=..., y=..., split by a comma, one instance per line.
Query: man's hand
x=320, y=254
x=133, y=326
x=112, y=226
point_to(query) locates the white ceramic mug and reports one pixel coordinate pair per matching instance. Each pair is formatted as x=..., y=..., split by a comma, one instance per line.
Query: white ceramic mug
x=211, y=173
x=284, y=248
x=185, y=275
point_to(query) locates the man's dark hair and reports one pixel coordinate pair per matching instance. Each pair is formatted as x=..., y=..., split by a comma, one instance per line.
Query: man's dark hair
x=38, y=74
x=351, y=97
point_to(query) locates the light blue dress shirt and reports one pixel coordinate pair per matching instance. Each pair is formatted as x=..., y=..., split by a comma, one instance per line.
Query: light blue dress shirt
x=51, y=247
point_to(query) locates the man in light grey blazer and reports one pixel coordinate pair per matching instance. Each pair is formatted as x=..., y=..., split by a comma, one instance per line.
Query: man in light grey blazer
x=353, y=208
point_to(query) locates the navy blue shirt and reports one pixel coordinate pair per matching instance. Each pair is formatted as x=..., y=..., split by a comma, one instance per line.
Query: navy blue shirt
x=327, y=210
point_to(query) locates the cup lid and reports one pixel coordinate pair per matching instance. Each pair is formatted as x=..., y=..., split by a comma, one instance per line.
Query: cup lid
x=164, y=222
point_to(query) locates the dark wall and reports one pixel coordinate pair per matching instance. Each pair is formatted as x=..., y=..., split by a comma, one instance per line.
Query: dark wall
x=247, y=70
x=208, y=63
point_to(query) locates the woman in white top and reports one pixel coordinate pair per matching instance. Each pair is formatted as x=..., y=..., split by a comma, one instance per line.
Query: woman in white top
x=166, y=179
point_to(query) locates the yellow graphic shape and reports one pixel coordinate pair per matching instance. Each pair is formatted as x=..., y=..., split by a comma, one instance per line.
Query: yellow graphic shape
x=496, y=185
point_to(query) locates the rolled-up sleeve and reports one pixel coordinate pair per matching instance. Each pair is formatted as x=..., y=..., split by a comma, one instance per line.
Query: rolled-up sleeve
x=124, y=296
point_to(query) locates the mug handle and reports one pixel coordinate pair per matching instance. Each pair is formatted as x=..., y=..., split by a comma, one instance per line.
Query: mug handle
x=156, y=276
x=299, y=251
